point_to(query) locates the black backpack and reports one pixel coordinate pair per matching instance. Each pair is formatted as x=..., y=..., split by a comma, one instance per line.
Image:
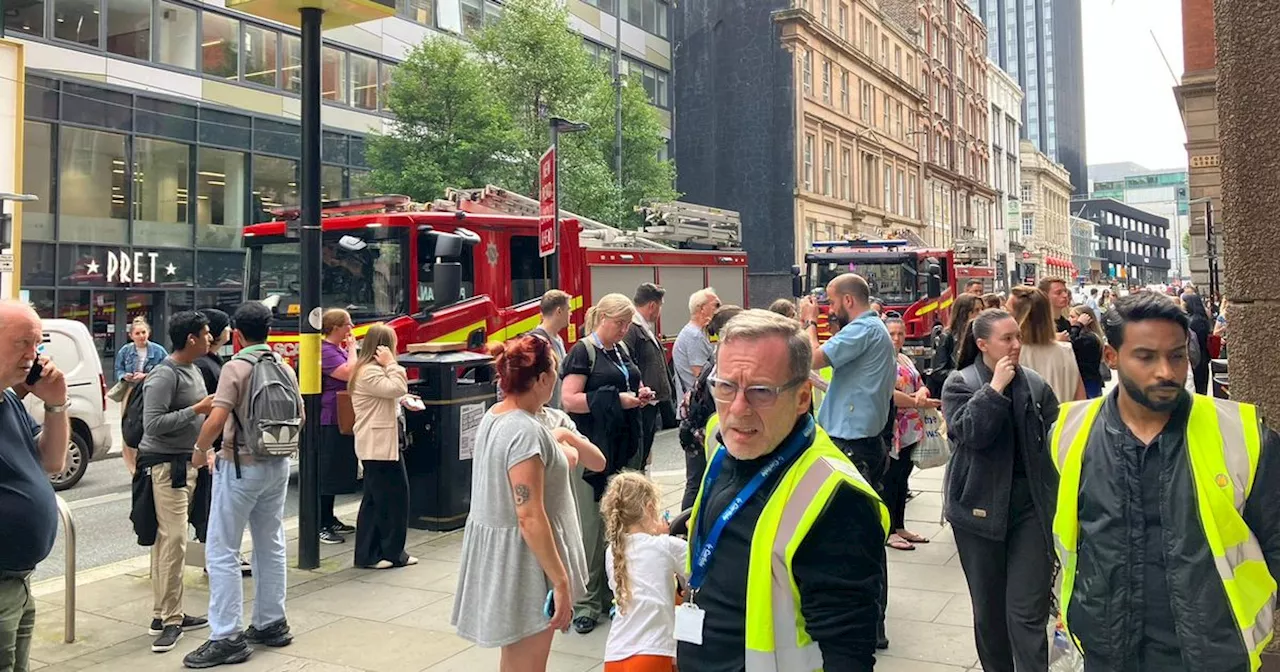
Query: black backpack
x=132, y=427
x=699, y=409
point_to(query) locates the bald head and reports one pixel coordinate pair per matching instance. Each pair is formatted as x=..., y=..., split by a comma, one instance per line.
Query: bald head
x=20, y=336
x=13, y=311
x=853, y=286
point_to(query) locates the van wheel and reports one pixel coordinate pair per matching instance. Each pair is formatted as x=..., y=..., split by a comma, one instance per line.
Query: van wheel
x=77, y=463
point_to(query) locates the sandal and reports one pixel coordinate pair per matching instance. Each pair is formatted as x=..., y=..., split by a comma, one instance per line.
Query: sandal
x=912, y=537
x=898, y=543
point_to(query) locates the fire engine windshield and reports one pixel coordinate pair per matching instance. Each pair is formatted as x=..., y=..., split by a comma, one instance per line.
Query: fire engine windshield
x=363, y=273
x=893, y=283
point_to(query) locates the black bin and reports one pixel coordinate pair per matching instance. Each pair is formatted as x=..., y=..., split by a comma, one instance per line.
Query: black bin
x=1218, y=381
x=457, y=388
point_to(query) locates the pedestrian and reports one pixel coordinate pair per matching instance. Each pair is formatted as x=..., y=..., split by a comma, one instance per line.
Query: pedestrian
x=909, y=396
x=522, y=534
x=770, y=462
x=379, y=394
x=690, y=355
x=999, y=491
x=1104, y=303
x=993, y=300
x=249, y=489
x=1165, y=526
x=1050, y=357
x=651, y=358
x=973, y=287
x=1092, y=302
x=700, y=407
x=1201, y=329
x=603, y=394
x=339, y=467
x=555, y=311
x=642, y=563
x=784, y=307
x=858, y=406
x=1220, y=329
x=1087, y=331
x=173, y=411
x=133, y=362
x=1082, y=342
x=28, y=454
x=877, y=307
x=944, y=351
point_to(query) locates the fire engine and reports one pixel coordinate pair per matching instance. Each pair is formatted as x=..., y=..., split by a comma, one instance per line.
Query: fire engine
x=915, y=283
x=466, y=268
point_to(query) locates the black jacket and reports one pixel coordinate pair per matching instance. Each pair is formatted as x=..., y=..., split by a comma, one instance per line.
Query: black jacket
x=651, y=358
x=942, y=364
x=985, y=428
x=1106, y=608
x=614, y=430
x=836, y=569
x=1088, y=351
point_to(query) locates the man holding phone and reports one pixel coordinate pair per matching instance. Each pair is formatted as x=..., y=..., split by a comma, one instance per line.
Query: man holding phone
x=28, y=453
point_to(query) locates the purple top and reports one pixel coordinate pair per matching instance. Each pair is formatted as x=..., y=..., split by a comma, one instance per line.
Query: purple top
x=331, y=357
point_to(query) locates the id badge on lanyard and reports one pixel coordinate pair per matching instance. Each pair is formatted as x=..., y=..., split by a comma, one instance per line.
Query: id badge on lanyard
x=621, y=365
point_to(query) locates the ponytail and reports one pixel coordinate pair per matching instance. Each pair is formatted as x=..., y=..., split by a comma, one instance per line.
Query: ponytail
x=978, y=327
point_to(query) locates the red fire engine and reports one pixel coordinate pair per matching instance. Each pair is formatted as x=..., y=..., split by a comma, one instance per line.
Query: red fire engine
x=466, y=269
x=916, y=283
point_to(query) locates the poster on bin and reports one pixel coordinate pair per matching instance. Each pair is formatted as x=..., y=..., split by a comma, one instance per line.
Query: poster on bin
x=547, y=203
x=469, y=417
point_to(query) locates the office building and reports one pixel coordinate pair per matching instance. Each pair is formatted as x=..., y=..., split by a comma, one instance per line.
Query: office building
x=156, y=129
x=1133, y=243
x=1006, y=172
x=800, y=116
x=1163, y=193
x=1040, y=43
x=1046, y=235
x=1084, y=249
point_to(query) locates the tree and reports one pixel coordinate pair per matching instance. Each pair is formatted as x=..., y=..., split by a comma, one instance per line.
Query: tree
x=518, y=72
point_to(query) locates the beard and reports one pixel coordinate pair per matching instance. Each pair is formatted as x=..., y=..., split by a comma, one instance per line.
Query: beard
x=838, y=318
x=1144, y=395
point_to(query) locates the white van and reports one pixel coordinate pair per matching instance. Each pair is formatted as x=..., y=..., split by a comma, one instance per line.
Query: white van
x=70, y=346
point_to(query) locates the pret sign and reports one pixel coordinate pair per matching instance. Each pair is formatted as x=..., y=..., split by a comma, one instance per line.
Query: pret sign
x=547, y=203
x=131, y=268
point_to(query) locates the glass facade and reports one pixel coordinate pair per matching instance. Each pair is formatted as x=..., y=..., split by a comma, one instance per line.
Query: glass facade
x=143, y=201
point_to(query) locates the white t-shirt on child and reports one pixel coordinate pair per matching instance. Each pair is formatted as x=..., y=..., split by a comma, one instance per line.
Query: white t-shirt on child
x=648, y=626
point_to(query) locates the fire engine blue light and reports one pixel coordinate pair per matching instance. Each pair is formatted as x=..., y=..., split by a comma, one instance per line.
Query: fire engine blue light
x=861, y=243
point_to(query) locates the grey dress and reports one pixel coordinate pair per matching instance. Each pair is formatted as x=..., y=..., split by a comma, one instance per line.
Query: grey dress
x=501, y=586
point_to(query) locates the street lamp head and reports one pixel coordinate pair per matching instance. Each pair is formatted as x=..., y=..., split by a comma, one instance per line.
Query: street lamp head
x=566, y=126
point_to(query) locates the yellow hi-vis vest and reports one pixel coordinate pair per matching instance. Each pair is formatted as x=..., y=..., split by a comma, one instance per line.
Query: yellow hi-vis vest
x=776, y=637
x=1223, y=442
x=818, y=394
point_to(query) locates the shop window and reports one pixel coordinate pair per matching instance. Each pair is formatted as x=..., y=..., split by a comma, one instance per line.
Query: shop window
x=275, y=184
x=27, y=18
x=225, y=128
x=176, y=28
x=291, y=67
x=37, y=179
x=161, y=117
x=528, y=276
x=76, y=21
x=333, y=74
x=41, y=300
x=260, y=47
x=364, y=82
x=41, y=97
x=73, y=305
x=161, y=196
x=220, y=198
x=97, y=107
x=92, y=186
x=220, y=44
x=38, y=264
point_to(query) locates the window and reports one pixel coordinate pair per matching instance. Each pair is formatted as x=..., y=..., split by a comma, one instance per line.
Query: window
x=291, y=68
x=220, y=45
x=37, y=178
x=844, y=91
x=884, y=51
x=897, y=120
x=828, y=166
x=901, y=194
x=92, y=186
x=333, y=74
x=655, y=82
x=1026, y=192
x=826, y=81
x=846, y=167
x=808, y=72
x=472, y=12
x=364, y=82
x=331, y=183
x=897, y=60
x=808, y=162
x=887, y=203
x=869, y=179
x=528, y=280
x=129, y=28
x=825, y=17
x=1028, y=225
x=842, y=20
x=911, y=196
x=27, y=18
x=275, y=184
x=866, y=94
x=885, y=110
x=417, y=11
x=97, y=107
x=75, y=21
x=260, y=46
x=385, y=71
x=160, y=196
x=220, y=197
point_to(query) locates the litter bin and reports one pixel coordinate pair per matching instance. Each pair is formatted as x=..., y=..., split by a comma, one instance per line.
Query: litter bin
x=1218, y=381
x=457, y=388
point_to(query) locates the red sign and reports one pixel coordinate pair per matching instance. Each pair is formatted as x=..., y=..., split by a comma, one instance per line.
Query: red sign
x=547, y=203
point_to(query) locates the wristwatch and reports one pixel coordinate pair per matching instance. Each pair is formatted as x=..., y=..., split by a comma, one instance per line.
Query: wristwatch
x=58, y=408
x=810, y=323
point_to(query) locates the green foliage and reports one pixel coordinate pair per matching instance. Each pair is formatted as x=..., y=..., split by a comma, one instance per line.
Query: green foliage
x=471, y=114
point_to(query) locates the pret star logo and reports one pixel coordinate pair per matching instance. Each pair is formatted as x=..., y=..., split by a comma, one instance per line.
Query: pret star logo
x=171, y=269
x=92, y=267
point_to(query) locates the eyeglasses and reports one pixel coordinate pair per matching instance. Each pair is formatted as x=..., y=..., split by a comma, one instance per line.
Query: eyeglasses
x=758, y=396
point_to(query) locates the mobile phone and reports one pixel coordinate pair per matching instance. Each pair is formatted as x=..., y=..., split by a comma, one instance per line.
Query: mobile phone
x=37, y=370
x=549, y=608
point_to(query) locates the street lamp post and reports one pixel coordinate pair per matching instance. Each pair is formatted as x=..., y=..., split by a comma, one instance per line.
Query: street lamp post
x=558, y=126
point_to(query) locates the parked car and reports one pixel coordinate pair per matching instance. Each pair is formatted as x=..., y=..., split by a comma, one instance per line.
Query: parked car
x=70, y=346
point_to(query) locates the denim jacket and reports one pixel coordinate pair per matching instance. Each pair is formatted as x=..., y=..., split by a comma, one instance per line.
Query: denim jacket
x=127, y=358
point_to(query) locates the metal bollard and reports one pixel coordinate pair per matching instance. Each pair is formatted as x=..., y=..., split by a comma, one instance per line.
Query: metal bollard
x=69, y=578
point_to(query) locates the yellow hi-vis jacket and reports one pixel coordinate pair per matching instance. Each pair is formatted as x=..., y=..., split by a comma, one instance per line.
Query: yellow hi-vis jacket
x=1223, y=441
x=775, y=633
x=819, y=393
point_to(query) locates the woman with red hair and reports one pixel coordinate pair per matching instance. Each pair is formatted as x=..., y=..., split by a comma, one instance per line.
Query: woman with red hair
x=522, y=539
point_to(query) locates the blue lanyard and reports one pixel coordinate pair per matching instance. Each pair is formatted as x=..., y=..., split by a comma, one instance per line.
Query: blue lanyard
x=702, y=561
x=626, y=376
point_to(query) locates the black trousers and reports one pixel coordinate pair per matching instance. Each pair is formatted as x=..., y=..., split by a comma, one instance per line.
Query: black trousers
x=650, y=425
x=1009, y=583
x=695, y=466
x=384, y=514
x=871, y=458
x=895, y=487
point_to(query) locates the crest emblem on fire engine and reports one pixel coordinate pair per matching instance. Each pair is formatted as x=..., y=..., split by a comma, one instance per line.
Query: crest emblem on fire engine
x=491, y=253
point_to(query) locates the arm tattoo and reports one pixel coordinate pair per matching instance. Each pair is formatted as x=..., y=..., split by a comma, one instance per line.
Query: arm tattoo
x=522, y=494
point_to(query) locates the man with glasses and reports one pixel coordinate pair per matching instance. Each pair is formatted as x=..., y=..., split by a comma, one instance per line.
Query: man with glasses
x=775, y=481
x=864, y=363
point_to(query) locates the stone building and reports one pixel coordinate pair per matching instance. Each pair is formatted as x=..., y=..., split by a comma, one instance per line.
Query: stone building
x=1197, y=101
x=1045, y=196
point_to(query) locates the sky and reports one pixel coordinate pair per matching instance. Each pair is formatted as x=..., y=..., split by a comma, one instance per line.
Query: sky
x=1130, y=111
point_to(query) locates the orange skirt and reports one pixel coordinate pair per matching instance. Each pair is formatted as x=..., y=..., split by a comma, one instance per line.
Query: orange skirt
x=642, y=664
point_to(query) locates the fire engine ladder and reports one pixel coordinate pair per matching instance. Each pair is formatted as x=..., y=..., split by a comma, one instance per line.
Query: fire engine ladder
x=693, y=224
x=594, y=234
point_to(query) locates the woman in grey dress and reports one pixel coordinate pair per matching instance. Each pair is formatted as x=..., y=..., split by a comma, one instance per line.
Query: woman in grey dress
x=522, y=538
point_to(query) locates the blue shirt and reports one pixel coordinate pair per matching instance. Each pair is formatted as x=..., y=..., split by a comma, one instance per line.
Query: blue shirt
x=864, y=370
x=28, y=510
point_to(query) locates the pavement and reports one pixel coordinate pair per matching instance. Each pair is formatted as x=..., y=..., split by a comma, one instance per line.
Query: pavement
x=347, y=619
